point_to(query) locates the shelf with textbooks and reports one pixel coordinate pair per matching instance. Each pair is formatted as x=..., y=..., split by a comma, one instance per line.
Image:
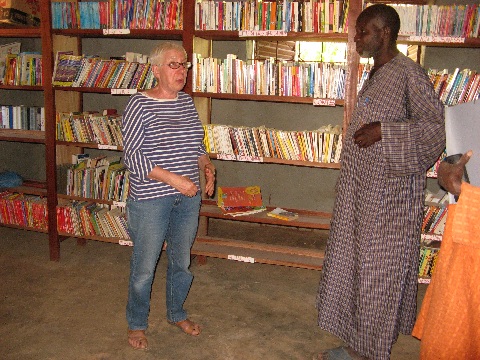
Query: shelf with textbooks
x=135, y=33
x=90, y=195
x=223, y=78
x=22, y=127
x=24, y=208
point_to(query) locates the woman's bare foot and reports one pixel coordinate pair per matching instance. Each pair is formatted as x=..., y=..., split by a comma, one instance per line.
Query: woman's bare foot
x=137, y=339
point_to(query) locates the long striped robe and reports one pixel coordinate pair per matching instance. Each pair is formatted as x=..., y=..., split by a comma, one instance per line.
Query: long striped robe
x=368, y=287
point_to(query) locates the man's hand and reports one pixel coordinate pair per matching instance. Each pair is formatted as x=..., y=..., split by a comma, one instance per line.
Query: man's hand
x=368, y=134
x=450, y=175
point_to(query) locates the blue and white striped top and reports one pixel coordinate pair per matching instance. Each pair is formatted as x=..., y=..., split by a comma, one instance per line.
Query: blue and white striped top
x=165, y=133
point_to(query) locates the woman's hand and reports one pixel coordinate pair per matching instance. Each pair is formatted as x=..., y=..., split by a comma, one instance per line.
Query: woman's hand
x=209, y=171
x=186, y=186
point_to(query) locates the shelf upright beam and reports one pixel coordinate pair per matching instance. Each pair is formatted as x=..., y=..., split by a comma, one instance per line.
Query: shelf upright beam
x=50, y=152
x=353, y=60
x=188, y=33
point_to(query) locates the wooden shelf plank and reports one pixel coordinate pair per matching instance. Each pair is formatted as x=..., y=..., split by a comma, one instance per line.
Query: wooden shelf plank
x=31, y=187
x=122, y=34
x=94, y=237
x=269, y=160
x=29, y=136
x=255, y=252
x=23, y=228
x=306, y=219
x=269, y=98
x=297, y=36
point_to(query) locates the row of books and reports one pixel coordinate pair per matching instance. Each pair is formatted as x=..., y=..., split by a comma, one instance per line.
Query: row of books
x=434, y=219
x=456, y=87
x=104, y=178
x=453, y=87
x=317, y=16
x=24, y=68
x=439, y=20
x=323, y=145
x=268, y=77
x=89, y=127
x=23, y=210
x=428, y=259
x=118, y=14
x=87, y=71
x=22, y=117
x=84, y=218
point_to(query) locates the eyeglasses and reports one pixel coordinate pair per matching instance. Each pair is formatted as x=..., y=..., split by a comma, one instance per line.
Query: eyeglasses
x=176, y=65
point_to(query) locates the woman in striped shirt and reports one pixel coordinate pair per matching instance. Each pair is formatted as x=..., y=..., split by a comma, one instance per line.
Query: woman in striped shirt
x=164, y=151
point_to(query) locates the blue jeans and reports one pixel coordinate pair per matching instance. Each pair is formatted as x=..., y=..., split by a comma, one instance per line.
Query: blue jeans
x=172, y=218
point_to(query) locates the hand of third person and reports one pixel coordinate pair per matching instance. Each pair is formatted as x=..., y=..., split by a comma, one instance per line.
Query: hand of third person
x=368, y=134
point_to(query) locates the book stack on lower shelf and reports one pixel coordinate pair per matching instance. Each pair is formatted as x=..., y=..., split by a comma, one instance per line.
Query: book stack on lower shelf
x=435, y=216
x=23, y=211
x=86, y=219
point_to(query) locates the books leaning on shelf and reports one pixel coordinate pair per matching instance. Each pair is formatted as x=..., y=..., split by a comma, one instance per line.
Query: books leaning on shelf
x=323, y=145
x=268, y=77
x=93, y=71
x=22, y=117
x=282, y=214
x=283, y=15
x=23, y=210
x=85, y=218
x=22, y=69
x=428, y=259
x=437, y=21
x=154, y=14
x=240, y=201
x=104, y=178
x=90, y=127
x=6, y=49
x=459, y=86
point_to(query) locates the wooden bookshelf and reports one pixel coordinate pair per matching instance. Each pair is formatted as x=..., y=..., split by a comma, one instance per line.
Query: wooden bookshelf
x=67, y=99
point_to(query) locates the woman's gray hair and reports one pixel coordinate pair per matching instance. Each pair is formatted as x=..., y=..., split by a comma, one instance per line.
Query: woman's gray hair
x=156, y=56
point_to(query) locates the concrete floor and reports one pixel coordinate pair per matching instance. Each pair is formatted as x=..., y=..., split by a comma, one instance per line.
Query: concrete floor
x=74, y=309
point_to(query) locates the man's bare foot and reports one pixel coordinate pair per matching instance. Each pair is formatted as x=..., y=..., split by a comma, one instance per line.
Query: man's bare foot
x=137, y=339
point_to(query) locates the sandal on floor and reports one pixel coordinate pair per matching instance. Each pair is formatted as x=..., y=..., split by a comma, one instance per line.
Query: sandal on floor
x=339, y=353
x=188, y=327
x=137, y=339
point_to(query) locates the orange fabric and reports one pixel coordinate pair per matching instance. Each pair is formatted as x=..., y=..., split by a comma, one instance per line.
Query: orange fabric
x=449, y=320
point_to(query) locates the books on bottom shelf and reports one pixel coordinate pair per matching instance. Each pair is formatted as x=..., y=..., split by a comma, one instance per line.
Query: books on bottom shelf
x=282, y=214
x=85, y=218
x=240, y=201
x=105, y=178
x=23, y=210
x=428, y=259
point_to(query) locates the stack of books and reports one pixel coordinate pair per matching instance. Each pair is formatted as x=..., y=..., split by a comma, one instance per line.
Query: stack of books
x=240, y=201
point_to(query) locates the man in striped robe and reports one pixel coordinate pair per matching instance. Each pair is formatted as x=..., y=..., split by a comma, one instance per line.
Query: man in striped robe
x=367, y=292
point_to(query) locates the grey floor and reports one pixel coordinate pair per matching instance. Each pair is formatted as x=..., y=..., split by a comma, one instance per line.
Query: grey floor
x=74, y=309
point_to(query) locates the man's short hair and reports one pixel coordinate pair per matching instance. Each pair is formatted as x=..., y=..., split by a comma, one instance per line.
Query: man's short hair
x=385, y=12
